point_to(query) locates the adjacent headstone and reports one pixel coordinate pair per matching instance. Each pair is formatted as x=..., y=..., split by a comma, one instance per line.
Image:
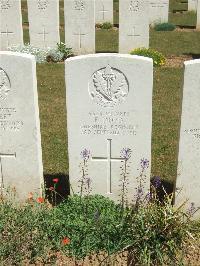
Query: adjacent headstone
x=104, y=11
x=43, y=16
x=198, y=15
x=11, y=32
x=80, y=25
x=192, y=5
x=20, y=144
x=109, y=109
x=188, y=176
x=158, y=11
x=133, y=25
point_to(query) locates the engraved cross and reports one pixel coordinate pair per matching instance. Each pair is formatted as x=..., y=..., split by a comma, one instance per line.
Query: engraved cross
x=133, y=33
x=7, y=32
x=79, y=34
x=103, y=11
x=44, y=33
x=109, y=159
x=4, y=155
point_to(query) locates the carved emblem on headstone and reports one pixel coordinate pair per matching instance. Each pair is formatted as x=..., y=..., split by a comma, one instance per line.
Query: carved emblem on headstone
x=5, y=85
x=134, y=6
x=79, y=5
x=108, y=86
x=42, y=4
x=5, y=4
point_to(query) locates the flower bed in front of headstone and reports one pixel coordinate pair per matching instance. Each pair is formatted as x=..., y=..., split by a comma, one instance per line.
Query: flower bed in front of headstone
x=93, y=229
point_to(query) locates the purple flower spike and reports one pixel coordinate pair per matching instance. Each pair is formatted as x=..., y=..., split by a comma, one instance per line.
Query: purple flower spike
x=156, y=182
x=88, y=181
x=148, y=196
x=191, y=209
x=85, y=154
x=126, y=153
x=144, y=163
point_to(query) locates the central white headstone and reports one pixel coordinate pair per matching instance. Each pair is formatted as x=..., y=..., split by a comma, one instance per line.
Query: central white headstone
x=188, y=176
x=20, y=144
x=158, y=11
x=80, y=25
x=43, y=16
x=11, y=32
x=109, y=108
x=133, y=25
x=104, y=11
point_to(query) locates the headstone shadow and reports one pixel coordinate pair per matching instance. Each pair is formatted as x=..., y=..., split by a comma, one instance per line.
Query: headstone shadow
x=57, y=187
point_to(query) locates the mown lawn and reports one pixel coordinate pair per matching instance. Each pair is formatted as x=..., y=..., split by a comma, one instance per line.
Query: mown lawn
x=166, y=96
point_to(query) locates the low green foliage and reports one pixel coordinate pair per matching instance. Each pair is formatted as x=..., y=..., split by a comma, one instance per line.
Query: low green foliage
x=43, y=55
x=152, y=233
x=165, y=27
x=105, y=26
x=158, y=58
x=66, y=51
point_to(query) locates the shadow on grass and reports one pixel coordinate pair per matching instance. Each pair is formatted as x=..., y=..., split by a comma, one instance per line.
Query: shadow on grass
x=186, y=27
x=57, y=187
x=166, y=188
x=194, y=56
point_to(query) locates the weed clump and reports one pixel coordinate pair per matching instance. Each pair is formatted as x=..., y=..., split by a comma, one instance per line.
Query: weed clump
x=158, y=58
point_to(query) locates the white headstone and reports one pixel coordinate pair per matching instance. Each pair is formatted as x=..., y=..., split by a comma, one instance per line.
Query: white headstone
x=80, y=25
x=104, y=11
x=198, y=15
x=43, y=16
x=109, y=109
x=188, y=176
x=133, y=25
x=20, y=144
x=158, y=11
x=11, y=32
x=192, y=5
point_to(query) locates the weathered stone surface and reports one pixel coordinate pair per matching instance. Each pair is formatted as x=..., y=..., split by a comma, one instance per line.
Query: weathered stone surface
x=188, y=176
x=198, y=15
x=80, y=25
x=43, y=18
x=133, y=25
x=20, y=144
x=11, y=32
x=158, y=11
x=192, y=5
x=104, y=11
x=109, y=109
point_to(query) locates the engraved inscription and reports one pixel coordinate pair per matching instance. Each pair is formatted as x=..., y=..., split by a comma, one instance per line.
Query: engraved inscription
x=8, y=120
x=108, y=87
x=134, y=6
x=5, y=85
x=109, y=159
x=79, y=5
x=195, y=132
x=42, y=4
x=158, y=5
x=5, y=4
x=115, y=123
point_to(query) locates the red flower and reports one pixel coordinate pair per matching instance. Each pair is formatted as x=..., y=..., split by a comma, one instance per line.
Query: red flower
x=66, y=241
x=40, y=200
x=55, y=180
x=51, y=188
